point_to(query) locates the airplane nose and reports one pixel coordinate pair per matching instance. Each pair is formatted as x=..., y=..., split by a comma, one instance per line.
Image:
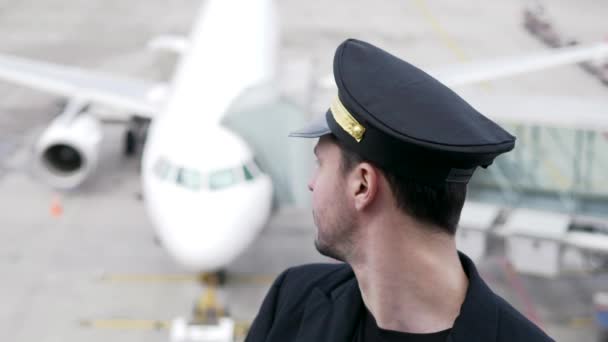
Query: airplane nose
x=205, y=231
x=206, y=238
x=202, y=253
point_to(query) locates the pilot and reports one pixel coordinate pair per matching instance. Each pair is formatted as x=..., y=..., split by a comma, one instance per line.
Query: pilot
x=396, y=150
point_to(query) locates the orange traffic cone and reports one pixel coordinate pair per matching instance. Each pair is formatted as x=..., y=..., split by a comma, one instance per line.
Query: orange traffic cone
x=56, y=207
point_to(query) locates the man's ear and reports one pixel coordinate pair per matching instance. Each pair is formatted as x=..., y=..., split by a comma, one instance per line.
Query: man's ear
x=363, y=183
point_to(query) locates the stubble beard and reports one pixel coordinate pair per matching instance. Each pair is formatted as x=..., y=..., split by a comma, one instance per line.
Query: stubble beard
x=337, y=241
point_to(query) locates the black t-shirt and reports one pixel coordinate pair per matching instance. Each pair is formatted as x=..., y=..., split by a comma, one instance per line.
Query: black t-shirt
x=368, y=331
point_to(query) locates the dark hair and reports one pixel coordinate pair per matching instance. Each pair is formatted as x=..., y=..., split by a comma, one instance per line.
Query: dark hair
x=437, y=204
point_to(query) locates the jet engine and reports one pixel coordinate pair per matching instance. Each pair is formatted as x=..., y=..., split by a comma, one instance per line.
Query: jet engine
x=68, y=150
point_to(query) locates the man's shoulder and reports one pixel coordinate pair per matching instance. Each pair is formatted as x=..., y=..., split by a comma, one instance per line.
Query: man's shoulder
x=516, y=327
x=483, y=305
x=297, y=283
x=323, y=275
x=318, y=271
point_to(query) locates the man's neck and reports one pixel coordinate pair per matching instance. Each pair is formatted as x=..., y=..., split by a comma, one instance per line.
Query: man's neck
x=411, y=280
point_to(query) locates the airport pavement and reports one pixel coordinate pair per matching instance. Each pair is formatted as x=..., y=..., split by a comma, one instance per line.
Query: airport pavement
x=63, y=277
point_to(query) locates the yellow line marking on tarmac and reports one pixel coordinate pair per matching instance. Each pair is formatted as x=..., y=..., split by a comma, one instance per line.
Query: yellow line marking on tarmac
x=148, y=278
x=240, y=329
x=126, y=324
x=258, y=279
x=581, y=322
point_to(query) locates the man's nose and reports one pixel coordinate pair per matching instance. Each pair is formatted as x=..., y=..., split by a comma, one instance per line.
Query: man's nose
x=310, y=186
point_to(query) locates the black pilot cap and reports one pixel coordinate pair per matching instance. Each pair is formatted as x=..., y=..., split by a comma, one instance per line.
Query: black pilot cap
x=402, y=119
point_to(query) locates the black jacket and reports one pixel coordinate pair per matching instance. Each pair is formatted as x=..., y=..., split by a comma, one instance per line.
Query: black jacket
x=322, y=302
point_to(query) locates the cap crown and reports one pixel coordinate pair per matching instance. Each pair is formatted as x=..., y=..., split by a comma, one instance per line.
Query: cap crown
x=405, y=102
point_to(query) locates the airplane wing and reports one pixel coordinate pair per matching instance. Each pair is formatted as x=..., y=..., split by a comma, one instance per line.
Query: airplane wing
x=473, y=72
x=484, y=71
x=141, y=97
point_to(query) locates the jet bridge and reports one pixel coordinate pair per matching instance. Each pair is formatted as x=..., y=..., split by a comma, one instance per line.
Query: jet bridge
x=548, y=199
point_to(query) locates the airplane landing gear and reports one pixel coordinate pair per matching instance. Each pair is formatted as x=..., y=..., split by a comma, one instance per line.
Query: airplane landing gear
x=217, y=278
x=207, y=309
x=135, y=136
x=210, y=320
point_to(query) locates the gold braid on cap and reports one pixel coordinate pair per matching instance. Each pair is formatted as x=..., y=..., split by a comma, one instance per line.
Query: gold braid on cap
x=346, y=120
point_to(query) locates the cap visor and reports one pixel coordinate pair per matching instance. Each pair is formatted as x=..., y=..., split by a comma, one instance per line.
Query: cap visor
x=316, y=128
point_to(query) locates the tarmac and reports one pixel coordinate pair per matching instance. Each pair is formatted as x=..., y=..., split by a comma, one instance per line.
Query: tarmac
x=85, y=265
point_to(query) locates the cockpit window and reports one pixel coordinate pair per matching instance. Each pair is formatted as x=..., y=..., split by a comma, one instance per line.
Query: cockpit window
x=222, y=179
x=253, y=167
x=248, y=174
x=162, y=168
x=189, y=178
x=194, y=180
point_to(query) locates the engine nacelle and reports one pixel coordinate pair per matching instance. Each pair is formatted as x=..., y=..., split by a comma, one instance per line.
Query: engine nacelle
x=68, y=150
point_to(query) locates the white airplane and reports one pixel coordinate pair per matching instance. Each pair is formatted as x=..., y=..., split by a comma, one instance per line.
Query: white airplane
x=205, y=195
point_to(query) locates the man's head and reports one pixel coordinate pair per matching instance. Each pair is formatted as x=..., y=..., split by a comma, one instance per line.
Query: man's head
x=393, y=138
x=346, y=187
